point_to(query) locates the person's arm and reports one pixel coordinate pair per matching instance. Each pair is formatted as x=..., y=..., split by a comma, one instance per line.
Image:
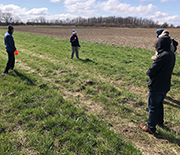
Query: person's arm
x=156, y=66
x=78, y=42
x=11, y=43
x=72, y=39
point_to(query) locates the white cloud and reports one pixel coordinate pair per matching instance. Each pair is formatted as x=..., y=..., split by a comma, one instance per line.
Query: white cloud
x=61, y=16
x=11, y=8
x=34, y=13
x=86, y=7
x=115, y=7
x=40, y=11
x=23, y=13
x=89, y=8
x=148, y=11
x=165, y=17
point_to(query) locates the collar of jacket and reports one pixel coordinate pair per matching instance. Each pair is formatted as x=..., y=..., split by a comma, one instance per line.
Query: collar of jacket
x=10, y=32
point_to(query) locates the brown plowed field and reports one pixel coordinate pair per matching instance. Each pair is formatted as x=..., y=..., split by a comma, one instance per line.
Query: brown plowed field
x=134, y=37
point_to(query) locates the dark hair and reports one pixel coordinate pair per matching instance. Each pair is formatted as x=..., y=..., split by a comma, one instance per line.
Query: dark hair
x=10, y=28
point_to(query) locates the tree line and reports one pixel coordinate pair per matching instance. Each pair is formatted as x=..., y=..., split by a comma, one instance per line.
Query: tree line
x=8, y=18
x=111, y=21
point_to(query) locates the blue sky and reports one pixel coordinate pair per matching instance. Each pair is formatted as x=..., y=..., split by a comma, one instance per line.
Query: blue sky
x=157, y=10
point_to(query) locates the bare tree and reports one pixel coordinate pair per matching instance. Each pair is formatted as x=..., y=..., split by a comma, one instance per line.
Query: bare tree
x=1, y=15
x=42, y=19
x=103, y=21
x=164, y=25
x=7, y=18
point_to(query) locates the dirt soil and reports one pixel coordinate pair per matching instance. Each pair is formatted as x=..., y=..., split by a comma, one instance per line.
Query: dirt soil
x=134, y=37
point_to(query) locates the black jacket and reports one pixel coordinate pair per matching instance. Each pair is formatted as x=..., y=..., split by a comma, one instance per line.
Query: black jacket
x=161, y=70
x=74, y=40
x=9, y=42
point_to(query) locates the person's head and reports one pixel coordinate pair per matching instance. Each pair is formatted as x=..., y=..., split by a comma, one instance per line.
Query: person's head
x=159, y=32
x=74, y=32
x=165, y=32
x=164, y=42
x=11, y=28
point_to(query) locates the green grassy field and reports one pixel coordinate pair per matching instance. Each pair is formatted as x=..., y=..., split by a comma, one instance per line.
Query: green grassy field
x=52, y=104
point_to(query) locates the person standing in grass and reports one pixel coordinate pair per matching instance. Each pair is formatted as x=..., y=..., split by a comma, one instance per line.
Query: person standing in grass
x=74, y=44
x=10, y=48
x=159, y=82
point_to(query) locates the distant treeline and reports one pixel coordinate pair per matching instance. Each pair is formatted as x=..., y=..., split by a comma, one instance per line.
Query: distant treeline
x=111, y=21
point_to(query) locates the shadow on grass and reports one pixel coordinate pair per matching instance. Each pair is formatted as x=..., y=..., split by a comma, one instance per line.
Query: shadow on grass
x=169, y=135
x=175, y=104
x=24, y=78
x=88, y=60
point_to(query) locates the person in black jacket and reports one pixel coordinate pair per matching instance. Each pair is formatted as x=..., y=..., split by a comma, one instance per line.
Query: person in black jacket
x=10, y=48
x=74, y=44
x=159, y=82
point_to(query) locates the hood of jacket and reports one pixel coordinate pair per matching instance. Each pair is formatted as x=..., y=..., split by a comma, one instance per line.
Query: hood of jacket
x=163, y=43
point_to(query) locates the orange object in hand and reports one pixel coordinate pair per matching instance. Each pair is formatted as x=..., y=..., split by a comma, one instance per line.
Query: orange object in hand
x=16, y=52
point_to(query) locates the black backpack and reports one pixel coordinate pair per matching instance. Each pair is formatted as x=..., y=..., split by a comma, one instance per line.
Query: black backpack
x=175, y=44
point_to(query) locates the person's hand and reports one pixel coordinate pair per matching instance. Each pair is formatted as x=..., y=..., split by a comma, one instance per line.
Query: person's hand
x=74, y=38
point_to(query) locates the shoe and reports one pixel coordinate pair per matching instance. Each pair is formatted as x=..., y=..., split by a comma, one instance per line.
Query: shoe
x=145, y=128
x=11, y=71
x=3, y=74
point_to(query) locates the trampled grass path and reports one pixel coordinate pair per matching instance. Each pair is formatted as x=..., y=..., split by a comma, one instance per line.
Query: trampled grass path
x=94, y=85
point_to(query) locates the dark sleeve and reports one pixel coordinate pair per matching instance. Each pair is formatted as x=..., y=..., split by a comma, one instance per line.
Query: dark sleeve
x=78, y=42
x=175, y=43
x=72, y=39
x=156, y=66
x=10, y=41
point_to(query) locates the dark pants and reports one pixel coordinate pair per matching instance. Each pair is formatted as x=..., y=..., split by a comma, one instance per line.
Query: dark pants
x=11, y=62
x=75, y=49
x=156, y=109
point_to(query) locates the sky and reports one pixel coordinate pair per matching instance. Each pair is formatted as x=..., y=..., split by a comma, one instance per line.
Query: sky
x=157, y=10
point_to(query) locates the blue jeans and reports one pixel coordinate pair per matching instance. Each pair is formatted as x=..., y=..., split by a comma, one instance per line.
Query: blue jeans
x=156, y=109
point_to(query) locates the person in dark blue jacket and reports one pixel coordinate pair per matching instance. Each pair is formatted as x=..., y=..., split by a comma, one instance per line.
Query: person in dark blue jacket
x=10, y=48
x=74, y=44
x=159, y=82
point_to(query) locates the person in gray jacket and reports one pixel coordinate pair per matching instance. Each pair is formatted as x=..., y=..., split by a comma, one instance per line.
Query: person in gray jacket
x=10, y=48
x=159, y=82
